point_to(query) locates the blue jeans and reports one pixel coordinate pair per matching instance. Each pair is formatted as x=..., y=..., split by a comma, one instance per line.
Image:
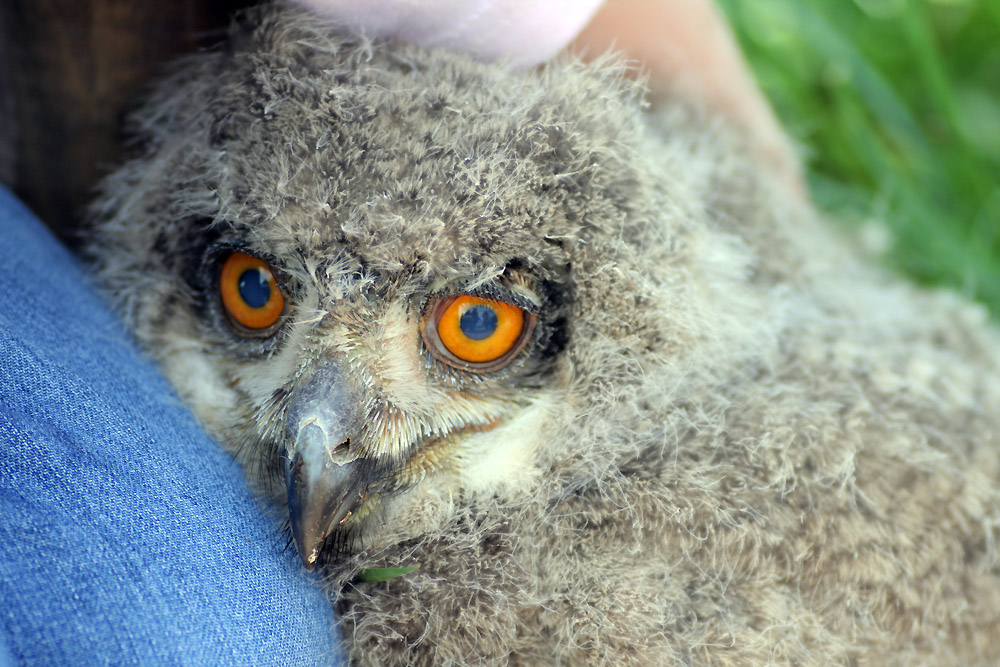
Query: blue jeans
x=126, y=534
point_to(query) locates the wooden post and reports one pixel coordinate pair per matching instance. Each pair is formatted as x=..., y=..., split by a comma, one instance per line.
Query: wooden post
x=68, y=71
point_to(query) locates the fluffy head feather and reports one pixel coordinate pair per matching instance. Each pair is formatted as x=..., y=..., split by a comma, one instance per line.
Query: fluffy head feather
x=727, y=441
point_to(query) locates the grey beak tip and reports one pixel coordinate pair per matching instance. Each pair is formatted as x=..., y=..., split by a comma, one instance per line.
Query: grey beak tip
x=307, y=530
x=309, y=562
x=321, y=497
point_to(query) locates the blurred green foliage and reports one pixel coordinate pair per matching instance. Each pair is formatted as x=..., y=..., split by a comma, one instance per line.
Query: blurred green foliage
x=897, y=104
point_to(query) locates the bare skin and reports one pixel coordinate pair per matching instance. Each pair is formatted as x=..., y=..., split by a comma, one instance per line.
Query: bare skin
x=686, y=46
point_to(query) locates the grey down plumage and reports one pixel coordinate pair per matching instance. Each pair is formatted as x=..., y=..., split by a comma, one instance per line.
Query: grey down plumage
x=727, y=439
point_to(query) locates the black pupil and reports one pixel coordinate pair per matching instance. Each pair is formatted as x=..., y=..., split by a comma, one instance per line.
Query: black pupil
x=254, y=288
x=478, y=322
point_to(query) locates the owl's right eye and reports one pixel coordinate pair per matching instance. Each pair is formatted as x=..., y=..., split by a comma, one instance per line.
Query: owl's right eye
x=250, y=295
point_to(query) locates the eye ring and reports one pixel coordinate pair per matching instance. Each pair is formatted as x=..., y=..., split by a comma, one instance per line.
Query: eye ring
x=252, y=301
x=475, y=334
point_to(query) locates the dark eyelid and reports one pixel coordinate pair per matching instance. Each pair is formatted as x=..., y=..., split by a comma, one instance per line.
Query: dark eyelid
x=495, y=291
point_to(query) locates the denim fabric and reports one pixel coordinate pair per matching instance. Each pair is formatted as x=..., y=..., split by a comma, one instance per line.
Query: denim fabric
x=126, y=535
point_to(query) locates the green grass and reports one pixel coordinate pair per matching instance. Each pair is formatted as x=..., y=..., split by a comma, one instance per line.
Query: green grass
x=897, y=103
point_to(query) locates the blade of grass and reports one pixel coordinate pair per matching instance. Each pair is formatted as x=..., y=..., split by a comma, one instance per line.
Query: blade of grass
x=875, y=98
x=932, y=72
x=376, y=574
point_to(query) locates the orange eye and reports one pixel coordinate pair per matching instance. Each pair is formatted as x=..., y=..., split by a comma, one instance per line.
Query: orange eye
x=476, y=334
x=250, y=294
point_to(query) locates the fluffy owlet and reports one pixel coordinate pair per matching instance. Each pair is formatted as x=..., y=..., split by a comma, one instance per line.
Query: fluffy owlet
x=620, y=397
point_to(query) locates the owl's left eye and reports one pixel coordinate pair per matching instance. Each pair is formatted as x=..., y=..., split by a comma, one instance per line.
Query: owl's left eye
x=474, y=333
x=250, y=294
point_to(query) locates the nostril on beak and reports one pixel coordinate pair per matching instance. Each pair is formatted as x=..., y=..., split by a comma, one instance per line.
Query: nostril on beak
x=341, y=451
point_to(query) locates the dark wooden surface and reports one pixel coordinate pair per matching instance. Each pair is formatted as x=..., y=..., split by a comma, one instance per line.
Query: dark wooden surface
x=68, y=71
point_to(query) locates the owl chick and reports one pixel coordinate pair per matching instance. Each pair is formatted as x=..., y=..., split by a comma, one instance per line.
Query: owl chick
x=620, y=397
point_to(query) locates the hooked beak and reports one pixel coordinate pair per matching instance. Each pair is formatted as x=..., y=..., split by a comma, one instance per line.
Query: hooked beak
x=327, y=477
